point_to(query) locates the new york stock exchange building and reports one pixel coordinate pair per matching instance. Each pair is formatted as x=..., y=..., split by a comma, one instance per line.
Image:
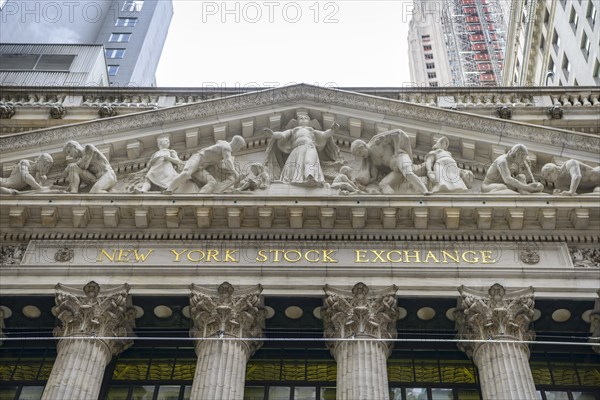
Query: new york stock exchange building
x=300, y=243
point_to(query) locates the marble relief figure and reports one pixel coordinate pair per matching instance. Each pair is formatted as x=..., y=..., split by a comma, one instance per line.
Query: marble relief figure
x=295, y=155
x=387, y=162
x=499, y=178
x=572, y=176
x=27, y=175
x=161, y=167
x=90, y=168
x=210, y=170
x=443, y=173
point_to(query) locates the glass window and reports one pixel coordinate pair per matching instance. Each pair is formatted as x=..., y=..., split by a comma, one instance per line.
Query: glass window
x=133, y=5
x=585, y=45
x=187, y=392
x=591, y=13
x=168, y=392
x=431, y=75
x=429, y=56
x=597, y=69
x=18, y=61
x=115, y=53
x=142, y=392
x=441, y=394
x=396, y=394
x=433, y=84
x=8, y=393
x=126, y=22
x=305, y=393
x=31, y=393
x=279, y=393
x=466, y=394
x=112, y=70
x=254, y=393
x=328, y=393
x=119, y=37
x=430, y=65
x=556, y=40
x=557, y=395
x=583, y=396
x=566, y=66
x=118, y=393
x=416, y=394
x=427, y=47
x=574, y=19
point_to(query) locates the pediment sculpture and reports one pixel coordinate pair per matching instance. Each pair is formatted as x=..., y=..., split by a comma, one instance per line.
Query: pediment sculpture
x=305, y=157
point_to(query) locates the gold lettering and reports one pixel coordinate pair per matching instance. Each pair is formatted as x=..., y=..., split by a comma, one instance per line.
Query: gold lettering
x=312, y=260
x=277, y=252
x=327, y=256
x=378, y=256
x=140, y=256
x=261, y=256
x=449, y=256
x=200, y=255
x=416, y=256
x=396, y=260
x=360, y=256
x=177, y=255
x=230, y=256
x=123, y=255
x=286, y=258
x=473, y=260
x=430, y=254
x=486, y=257
x=105, y=254
x=212, y=254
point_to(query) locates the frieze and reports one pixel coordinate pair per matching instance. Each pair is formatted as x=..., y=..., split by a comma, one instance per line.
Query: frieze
x=298, y=94
x=12, y=254
x=585, y=257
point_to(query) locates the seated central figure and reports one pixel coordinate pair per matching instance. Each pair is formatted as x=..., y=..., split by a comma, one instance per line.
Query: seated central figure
x=302, y=145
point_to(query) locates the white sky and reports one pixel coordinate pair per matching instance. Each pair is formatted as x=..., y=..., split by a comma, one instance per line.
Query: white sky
x=334, y=43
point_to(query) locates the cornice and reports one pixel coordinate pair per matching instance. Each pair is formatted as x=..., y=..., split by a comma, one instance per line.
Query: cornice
x=293, y=95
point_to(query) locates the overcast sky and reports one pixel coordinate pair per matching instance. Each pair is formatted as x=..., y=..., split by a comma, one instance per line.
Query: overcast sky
x=275, y=43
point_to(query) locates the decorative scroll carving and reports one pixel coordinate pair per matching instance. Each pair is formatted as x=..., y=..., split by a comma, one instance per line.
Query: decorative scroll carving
x=585, y=258
x=572, y=176
x=360, y=313
x=57, y=111
x=11, y=254
x=227, y=312
x=88, y=312
x=7, y=111
x=296, y=153
x=90, y=167
x=499, y=177
x=387, y=163
x=28, y=175
x=495, y=314
x=106, y=111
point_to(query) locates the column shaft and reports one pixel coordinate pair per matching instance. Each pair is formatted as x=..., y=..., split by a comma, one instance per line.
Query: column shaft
x=78, y=370
x=504, y=371
x=220, y=370
x=361, y=370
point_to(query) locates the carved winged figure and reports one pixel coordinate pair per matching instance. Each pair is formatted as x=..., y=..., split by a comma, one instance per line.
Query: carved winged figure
x=295, y=155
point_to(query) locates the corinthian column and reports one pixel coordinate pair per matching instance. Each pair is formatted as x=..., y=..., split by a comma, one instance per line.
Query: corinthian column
x=356, y=321
x=495, y=324
x=595, y=326
x=94, y=327
x=229, y=321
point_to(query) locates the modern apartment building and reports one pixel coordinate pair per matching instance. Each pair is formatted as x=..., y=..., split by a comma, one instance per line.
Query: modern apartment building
x=555, y=43
x=133, y=32
x=457, y=42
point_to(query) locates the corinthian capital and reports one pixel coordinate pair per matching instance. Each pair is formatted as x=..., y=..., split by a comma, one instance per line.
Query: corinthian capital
x=360, y=312
x=495, y=314
x=88, y=312
x=227, y=312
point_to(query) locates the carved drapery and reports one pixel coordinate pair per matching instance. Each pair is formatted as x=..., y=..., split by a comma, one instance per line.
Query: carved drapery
x=355, y=315
x=94, y=326
x=237, y=317
x=494, y=325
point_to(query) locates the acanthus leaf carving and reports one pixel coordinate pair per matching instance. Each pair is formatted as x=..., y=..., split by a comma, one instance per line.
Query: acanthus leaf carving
x=495, y=314
x=360, y=312
x=228, y=312
x=90, y=312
